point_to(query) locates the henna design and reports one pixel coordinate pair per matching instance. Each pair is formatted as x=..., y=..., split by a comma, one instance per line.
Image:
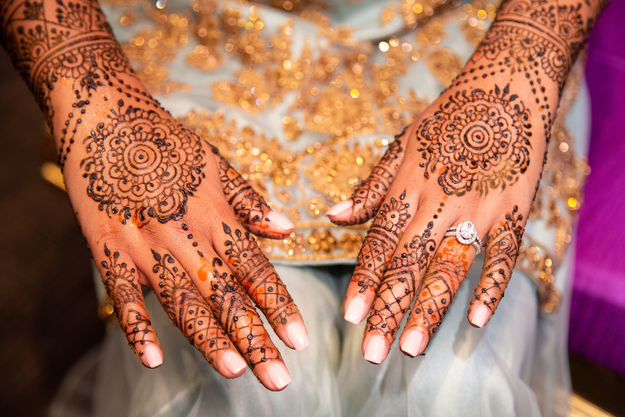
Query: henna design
x=397, y=291
x=502, y=250
x=540, y=39
x=124, y=292
x=382, y=238
x=476, y=140
x=445, y=274
x=68, y=43
x=142, y=164
x=202, y=320
x=258, y=277
x=368, y=196
x=187, y=309
x=249, y=207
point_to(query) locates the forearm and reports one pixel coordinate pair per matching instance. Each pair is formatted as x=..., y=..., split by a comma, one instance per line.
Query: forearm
x=532, y=46
x=68, y=55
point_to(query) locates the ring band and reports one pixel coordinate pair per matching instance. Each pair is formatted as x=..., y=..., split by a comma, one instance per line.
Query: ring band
x=466, y=233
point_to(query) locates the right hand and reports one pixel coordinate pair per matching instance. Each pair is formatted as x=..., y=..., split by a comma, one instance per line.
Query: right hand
x=160, y=207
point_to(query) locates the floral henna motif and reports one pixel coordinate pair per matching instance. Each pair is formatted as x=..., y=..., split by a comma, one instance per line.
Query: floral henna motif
x=66, y=43
x=258, y=277
x=382, y=238
x=140, y=164
x=369, y=195
x=502, y=250
x=124, y=292
x=537, y=38
x=477, y=140
x=401, y=279
x=445, y=274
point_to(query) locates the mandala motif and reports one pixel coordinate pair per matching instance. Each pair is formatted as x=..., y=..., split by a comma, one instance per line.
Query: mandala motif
x=141, y=164
x=476, y=140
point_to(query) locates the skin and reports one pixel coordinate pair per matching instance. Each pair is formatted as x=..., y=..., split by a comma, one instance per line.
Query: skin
x=475, y=154
x=158, y=206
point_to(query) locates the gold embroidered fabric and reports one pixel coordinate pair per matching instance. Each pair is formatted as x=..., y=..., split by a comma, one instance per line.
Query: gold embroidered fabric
x=338, y=94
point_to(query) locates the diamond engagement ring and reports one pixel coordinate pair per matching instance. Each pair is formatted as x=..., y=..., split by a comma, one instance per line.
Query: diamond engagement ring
x=466, y=233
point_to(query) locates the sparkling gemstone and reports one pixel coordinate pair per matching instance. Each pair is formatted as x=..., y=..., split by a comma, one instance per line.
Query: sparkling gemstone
x=466, y=233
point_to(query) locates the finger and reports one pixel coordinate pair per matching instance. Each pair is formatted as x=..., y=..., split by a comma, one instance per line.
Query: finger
x=401, y=281
x=190, y=312
x=377, y=251
x=121, y=281
x=264, y=286
x=502, y=250
x=446, y=272
x=368, y=197
x=236, y=315
x=249, y=207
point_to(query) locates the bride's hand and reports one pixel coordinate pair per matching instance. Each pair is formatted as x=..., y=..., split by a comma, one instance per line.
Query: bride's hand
x=157, y=205
x=162, y=208
x=475, y=155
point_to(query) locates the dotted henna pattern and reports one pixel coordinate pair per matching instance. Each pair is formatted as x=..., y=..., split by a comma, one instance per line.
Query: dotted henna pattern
x=476, y=140
x=401, y=279
x=258, y=277
x=142, y=164
x=225, y=314
x=124, y=292
x=382, y=238
x=502, y=250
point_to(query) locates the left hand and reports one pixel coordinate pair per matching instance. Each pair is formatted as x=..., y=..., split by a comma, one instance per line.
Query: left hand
x=474, y=155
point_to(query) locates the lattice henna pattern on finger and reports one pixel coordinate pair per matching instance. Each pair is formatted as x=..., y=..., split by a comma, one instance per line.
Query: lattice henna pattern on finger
x=476, y=140
x=187, y=309
x=441, y=283
x=233, y=309
x=502, y=250
x=258, y=277
x=142, y=165
x=124, y=293
x=401, y=279
x=377, y=250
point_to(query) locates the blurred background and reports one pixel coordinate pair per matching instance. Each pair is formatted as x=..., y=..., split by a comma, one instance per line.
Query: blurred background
x=49, y=309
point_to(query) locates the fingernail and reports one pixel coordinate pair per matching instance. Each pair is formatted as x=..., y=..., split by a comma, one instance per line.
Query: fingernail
x=340, y=208
x=278, y=375
x=480, y=316
x=376, y=350
x=356, y=310
x=297, y=336
x=153, y=355
x=413, y=343
x=280, y=221
x=233, y=362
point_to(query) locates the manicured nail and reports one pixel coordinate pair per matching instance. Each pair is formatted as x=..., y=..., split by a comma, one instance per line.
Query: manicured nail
x=233, y=362
x=480, y=316
x=376, y=350
x=278, y=375
x=413, y=343
x=297, y=336
x=153, y=356
x=340, y=208
x=356, y=310
x=280, y=221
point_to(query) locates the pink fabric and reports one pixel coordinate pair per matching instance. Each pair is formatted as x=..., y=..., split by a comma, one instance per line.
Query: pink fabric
x=597, y=326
